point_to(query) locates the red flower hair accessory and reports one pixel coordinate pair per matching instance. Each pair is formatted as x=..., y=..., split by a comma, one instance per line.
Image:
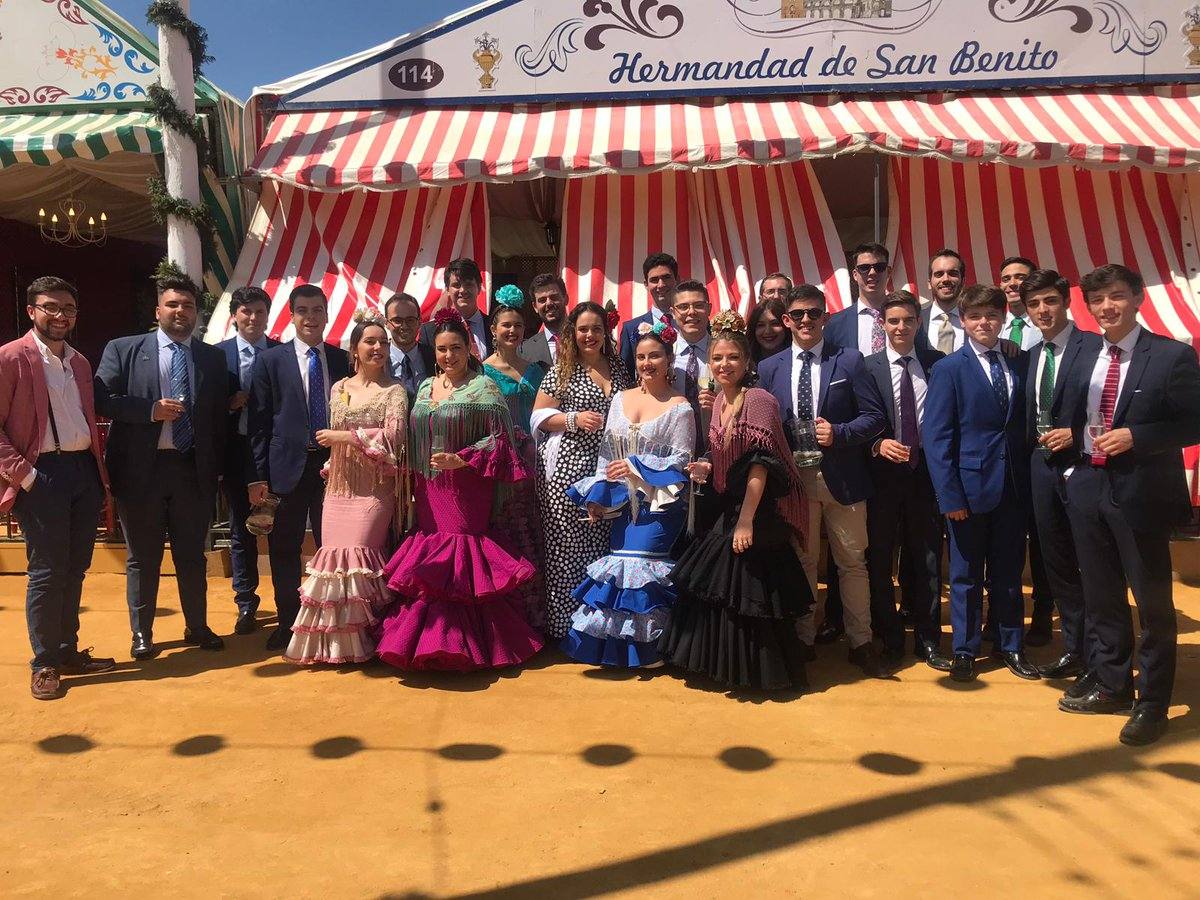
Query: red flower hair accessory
x=448, y=314
x=668, y=334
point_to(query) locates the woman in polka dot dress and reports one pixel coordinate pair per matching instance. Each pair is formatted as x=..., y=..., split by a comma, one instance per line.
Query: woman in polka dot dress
x=568, y=417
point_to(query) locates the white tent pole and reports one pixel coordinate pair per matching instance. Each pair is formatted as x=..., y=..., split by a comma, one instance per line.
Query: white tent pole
x=181, y=163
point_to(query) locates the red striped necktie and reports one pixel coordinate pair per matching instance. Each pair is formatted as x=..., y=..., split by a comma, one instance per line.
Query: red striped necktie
x=1108, y=398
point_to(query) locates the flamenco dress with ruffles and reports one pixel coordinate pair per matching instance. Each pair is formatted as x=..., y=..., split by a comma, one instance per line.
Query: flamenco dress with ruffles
x=459, y=608
x=518, y=525
x=345, y=589
x=736, y=613
x=626, y=598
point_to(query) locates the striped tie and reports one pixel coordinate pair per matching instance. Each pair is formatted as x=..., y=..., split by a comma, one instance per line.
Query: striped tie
x=1108, y=398
x=181, y=428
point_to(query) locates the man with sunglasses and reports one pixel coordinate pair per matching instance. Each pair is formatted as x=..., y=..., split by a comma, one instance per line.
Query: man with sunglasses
x=52, y=478
x=816, y=381
x=860, y=325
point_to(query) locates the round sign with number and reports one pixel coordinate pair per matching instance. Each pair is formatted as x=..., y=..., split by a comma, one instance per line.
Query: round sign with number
x=416, y=74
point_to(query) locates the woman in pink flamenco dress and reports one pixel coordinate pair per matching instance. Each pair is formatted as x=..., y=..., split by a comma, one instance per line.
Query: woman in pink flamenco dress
x=460, y=607
x=345, y=589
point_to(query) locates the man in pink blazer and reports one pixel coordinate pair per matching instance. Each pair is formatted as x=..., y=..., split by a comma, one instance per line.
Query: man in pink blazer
x=52, y=478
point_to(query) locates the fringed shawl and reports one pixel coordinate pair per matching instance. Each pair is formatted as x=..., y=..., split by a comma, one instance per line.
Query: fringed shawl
x=758, y=426
x=374, y=464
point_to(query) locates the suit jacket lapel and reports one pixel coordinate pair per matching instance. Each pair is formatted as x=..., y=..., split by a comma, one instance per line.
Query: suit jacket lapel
x=41, y=395
x=144, y=381
x=828, y=357
x=292, y=368
x=883, y=378
x=1137, y=366
x=1074, y=346
x=976, y=370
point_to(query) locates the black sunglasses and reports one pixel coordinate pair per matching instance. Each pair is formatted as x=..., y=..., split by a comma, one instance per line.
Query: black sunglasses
x=867, y=268
x=812, y=312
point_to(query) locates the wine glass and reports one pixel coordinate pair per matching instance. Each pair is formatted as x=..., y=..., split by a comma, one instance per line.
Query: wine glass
x=437, y=444
x=1096, y=427
x=697, y=486
x=1043, y=428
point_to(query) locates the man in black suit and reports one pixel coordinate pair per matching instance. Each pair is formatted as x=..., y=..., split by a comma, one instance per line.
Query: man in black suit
x=463, y=281
x=1062, y=358
x=289, y=404
x=168, y=396
x=903, y=509
x=1134, y=414
x=248, y=307
x=660, y=271
x=411, y=361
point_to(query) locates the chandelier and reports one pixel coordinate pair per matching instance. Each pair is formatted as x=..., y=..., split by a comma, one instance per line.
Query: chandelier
x=71, y=226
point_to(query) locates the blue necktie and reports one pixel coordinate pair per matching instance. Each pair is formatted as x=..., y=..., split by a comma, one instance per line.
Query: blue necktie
x=999, y=383
x=804, y=395
x=181, y=428
x=318, y=402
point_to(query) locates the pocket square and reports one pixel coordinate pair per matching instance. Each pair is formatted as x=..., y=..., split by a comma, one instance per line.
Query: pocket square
x=839, y=381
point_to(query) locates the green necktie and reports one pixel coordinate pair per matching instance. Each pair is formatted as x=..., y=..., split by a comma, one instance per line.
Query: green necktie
x=1046, y=387
x=1017, y=332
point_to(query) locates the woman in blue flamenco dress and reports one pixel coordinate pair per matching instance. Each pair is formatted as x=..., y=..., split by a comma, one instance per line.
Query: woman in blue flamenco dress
x=640, y=484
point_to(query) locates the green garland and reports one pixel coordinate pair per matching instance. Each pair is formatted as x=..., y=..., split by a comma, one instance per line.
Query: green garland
x=169, y=14
x=163, y=105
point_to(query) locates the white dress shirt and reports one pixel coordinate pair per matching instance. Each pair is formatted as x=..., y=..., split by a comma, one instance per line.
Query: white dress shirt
x=166, y=437
x=302, y=361
x=1059, y=341
x=981, y=354
x=866, y=324
x=1030, y=335
x=246, y=355
x=681, y=360
x=920, y=385
x=936, y=316
x=416, y=364
x=74, y=433
x=1100, y=373
x=815, y=368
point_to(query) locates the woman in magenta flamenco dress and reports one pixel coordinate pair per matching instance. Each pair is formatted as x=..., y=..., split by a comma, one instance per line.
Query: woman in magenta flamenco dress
x=345, y=590
x=460, y=608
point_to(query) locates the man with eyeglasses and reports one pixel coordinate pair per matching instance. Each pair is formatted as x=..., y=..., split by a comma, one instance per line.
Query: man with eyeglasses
x=829, y=386
x=412, y=361
x=774, y=287
x=249, y=308
x=691, y=310
x=52, y=478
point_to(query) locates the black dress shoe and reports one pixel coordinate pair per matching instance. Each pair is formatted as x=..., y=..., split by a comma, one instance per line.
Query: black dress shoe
x=1098, y=701
x=808, y=653
x=205, y=640
x=143, y=647
x=279, y=639
x=830, y=632
x=1066, y=666
x=1038, y=634
x=1081, y=685
x=1145, y=726
x=246, y=623
x=931, y=653
x=1019, y=665
x=963, y=667
x=892, y=657
x=868, y=660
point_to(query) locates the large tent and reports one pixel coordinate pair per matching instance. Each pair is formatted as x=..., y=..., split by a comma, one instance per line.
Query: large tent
x=75, y=124
x=743, y=137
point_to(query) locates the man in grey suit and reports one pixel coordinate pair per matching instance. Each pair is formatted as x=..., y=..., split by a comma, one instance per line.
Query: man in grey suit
x=168, y=396
x=549, y=293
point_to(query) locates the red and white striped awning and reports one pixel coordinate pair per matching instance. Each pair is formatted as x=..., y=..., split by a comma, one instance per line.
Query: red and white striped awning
x=387, y=149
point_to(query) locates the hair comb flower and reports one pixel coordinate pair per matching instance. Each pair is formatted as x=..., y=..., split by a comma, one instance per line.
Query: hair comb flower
x=665, y=331
x=366, y=316
x=611, y=316
x=729, y=320
x=448, y=314
x=511, y=296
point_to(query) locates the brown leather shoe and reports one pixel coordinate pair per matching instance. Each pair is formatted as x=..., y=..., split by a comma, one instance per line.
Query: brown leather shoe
x=45, y=684
x=81, y=662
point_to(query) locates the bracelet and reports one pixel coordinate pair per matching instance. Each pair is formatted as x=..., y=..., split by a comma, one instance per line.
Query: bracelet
x=571, y=426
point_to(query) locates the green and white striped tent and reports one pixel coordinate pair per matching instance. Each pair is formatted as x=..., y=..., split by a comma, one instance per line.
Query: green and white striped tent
x=74, y=118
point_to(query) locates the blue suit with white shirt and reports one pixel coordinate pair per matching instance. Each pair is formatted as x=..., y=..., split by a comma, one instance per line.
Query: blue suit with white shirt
x=978, y=458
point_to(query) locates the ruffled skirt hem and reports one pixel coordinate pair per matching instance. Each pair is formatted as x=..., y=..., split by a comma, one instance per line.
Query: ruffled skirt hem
x=422, y=634
x=455, y=567
x=610, y=651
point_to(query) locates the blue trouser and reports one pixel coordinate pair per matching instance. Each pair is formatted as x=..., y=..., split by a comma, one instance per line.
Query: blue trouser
x=991, y=544
x=58, y=516
x=296, y=510
x=243, y=546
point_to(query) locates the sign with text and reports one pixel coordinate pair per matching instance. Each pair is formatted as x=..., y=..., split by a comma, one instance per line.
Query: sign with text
x=538, y=51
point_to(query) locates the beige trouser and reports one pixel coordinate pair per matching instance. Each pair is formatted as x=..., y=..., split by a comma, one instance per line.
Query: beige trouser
x=846, y=530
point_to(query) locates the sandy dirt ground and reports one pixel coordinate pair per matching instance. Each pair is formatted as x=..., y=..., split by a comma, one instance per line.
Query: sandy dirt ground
x=237, y=775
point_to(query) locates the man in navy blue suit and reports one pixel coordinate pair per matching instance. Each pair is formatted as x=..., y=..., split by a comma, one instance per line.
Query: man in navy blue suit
x=168, y=396
x=248, y=307
x=860, y=325
x=1137, y=408
x=814, y=381
x=289, y=404
x=974, y=439
x=903, y=512
x=1058, y=362
x=661, y=274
